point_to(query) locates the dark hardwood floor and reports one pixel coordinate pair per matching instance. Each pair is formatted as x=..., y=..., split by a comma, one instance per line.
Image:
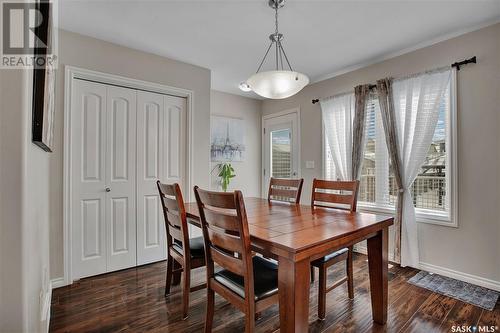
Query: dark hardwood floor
x=132, y=300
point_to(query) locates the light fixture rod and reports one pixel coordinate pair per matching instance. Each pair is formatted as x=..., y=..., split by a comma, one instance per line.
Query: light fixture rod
x=284, y=53
x=281, y=58
x=276, y=19
x=276, y=37
x=276, y=33
x=277, y=51
x=265, y=55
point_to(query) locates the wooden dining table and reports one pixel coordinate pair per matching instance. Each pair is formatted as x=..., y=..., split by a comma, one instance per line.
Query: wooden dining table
x=298, y=234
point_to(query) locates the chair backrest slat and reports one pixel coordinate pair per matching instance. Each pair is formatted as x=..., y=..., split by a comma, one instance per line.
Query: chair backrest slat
x=173, y=219
x=225, y=233
x=225, y=241
x=284, y=189
x=224, y=220
x=176, y=234
x=344, y=199
x=175, y=215
x=166, y=189
x=282, y=192
x=347, y=185
x=221, y=200
x=170, y=203
x=322, y=194
x=227, y=261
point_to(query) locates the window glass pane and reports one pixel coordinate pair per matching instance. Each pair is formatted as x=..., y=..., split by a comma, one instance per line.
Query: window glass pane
x=280, y=162
x=367, y=186
x=329, y=165
x=429, y=188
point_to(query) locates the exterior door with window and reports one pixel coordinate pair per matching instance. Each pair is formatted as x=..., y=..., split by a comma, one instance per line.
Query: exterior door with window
x=281, y=147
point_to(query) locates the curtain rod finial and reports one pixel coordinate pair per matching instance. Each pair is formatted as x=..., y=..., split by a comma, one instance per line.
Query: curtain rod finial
x=472, y=60
x=314, y=101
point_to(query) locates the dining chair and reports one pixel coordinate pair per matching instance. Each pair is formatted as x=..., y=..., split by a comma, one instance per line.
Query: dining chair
x=283, y=189
x=338, y=195
x=187, y=252
x=286, y=190
x=248, y=282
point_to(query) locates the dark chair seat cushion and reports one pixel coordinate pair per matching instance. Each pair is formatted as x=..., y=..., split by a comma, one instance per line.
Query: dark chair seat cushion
x=196, y=246
x=329, y=257
x=265, y=276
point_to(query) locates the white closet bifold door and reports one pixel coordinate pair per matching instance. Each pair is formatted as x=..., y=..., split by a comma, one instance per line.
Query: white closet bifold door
x=88, y=180
x=122, y=141
x=120, y=178
x=161, y=121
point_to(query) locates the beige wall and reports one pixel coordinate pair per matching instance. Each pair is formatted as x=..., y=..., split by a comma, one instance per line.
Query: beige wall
x=247, y=172
x=37, y=185
x=473, y=247
x=24, y=211
x=11, y=153
x=89, y=53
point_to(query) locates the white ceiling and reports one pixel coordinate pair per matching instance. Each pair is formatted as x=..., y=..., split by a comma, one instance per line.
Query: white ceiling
x=230, y=37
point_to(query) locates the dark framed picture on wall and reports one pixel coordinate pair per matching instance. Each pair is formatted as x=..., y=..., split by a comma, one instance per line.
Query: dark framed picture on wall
x=44, y=79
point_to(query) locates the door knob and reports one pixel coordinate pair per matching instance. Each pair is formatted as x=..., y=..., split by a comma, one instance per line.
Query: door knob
x=108, y=189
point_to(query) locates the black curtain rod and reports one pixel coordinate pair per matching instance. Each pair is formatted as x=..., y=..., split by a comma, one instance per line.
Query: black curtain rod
x=472, y=60
x=371, y=86
x=464, y=62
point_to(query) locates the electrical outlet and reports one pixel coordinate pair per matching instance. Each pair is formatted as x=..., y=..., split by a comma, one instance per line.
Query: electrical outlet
x=309, y=164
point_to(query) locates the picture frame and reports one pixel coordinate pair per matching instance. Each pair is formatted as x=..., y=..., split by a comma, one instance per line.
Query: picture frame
x=43, y=102
x=227, y=139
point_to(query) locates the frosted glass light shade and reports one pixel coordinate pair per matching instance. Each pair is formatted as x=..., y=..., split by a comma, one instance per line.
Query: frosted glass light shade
x=277, y=84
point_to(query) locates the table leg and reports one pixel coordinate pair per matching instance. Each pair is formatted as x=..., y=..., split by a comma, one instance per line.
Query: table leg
x=377, y=263
x=293, y=285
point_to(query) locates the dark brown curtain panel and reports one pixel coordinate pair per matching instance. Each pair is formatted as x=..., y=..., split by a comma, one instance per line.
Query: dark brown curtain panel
x=361, y=94
x=385, y=97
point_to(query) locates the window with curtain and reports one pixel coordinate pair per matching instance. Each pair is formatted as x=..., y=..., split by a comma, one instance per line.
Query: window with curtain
x=431, y=190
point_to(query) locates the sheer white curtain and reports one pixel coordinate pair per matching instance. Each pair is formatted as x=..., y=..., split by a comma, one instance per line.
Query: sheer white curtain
x=338, y=118
x=417, y=101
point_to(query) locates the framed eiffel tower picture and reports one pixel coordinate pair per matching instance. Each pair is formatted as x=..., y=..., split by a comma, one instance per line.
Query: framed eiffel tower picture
x=227, y=139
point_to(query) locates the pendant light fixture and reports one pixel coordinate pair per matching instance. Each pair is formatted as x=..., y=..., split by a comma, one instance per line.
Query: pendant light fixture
x=282, y=82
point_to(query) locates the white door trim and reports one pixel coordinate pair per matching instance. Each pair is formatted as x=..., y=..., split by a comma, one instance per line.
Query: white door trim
x=70, y=74
x=295, y=110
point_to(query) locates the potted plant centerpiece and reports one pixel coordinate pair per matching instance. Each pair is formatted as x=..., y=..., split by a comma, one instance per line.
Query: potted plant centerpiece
x=225, y=172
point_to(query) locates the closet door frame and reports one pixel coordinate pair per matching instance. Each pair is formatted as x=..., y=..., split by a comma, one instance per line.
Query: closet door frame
x=72, y=73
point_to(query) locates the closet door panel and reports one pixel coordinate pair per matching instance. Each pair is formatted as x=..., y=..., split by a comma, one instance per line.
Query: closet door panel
x=88, y=181
x=175, y=157
x=175, y=128
x=161, y=146
x=120, y=178
x=151, y=238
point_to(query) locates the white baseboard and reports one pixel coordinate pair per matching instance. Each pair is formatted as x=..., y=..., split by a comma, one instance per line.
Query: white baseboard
x=54, y=283
x=57, y=283
x=47, y=300
x=474, y=279
x=469, y=278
